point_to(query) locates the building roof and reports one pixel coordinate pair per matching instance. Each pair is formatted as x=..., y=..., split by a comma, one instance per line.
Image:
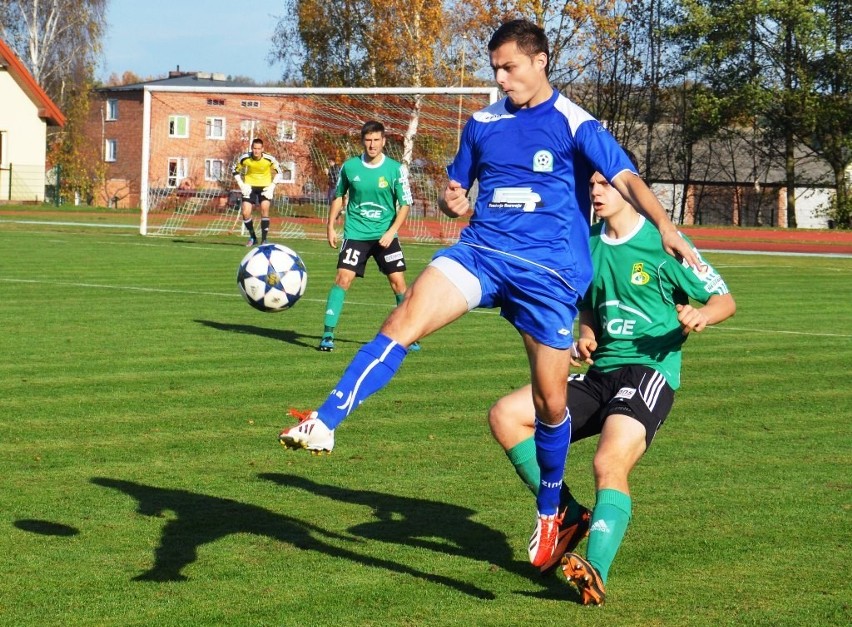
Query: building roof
x=47, y=109
x=177, y=78
x=733, y=156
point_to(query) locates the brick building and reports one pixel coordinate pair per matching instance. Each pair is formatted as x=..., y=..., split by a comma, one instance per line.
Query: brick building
x=184, y=132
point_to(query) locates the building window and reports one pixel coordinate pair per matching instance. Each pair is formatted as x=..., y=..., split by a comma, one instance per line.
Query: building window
x=112, y=109
x=250, y=104
x=288, y=171
x=177, y=171
x=110, y=150
x=216, y=102
x=249, y=129
x=215, y=128
x=286, y=131
x=214, y=169
x=178, y=126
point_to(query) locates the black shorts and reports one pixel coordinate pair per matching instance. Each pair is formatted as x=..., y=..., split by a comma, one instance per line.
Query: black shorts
x=636, y=391
x=256, y=196
x=354, y=254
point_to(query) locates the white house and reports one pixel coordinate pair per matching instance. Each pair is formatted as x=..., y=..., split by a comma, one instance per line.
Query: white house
x=25, y=113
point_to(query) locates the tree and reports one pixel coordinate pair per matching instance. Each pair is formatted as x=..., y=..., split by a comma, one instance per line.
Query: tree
x=322, y=43
x=127, y=77
x=417, y=42
x=784, y=64
x=58, y=40
x=82, y=165
x=826, y=127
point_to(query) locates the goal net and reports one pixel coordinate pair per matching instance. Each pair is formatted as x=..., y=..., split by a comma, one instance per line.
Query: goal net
x=194, y=136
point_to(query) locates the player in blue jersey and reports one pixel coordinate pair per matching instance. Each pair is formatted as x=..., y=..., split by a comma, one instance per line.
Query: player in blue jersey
x=525, y=250
x=634, y=320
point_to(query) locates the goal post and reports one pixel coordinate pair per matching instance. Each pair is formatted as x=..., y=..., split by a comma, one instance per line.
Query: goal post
x=192, y=136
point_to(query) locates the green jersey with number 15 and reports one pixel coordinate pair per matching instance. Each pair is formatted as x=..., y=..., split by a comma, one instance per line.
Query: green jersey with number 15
x=375, y=192
x=633, y=294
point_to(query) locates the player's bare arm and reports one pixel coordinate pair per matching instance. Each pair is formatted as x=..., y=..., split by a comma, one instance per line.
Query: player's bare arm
x=638, y=194
x=586, y=340
x=454, y=203
x=718, y=308
x=333, y=213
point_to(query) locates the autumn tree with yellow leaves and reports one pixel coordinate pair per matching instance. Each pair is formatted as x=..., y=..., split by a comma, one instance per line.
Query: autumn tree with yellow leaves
x=370, y=43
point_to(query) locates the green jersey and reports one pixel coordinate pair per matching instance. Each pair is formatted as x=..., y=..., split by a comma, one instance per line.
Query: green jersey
x=633, y=294
x=375, y=192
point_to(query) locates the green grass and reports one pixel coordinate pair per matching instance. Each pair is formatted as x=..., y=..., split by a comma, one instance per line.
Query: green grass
x=140, y=399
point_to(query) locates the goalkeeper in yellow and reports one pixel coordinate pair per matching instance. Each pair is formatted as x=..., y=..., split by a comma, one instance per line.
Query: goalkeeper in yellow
x=256, y=174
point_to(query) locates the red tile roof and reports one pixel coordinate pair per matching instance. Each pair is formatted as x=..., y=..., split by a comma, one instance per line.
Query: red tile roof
x=47, y=109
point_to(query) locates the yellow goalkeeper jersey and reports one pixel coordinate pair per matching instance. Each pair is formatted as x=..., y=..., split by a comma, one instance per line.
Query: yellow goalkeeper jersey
x=256, y=172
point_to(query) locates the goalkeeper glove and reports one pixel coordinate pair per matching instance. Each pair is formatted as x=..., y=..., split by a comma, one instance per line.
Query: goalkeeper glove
x=268, y=191
x=245, y=189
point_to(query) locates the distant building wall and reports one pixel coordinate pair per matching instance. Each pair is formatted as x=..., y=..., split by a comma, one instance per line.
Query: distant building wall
x=743, y=206
x=116, y=116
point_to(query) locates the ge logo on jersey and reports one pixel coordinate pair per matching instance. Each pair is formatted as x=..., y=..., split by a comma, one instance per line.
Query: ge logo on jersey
x=543, y=161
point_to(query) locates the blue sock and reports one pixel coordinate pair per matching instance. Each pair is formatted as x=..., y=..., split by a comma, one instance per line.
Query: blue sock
x=370, y=370
x=551, y=449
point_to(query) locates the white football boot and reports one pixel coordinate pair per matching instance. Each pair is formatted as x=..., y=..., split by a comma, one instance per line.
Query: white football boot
x=311, y=434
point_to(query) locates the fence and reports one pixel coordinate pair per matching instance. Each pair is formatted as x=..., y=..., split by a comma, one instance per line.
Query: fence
x=25, y=183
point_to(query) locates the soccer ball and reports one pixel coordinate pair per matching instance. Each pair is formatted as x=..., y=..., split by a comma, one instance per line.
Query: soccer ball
x=272, y=278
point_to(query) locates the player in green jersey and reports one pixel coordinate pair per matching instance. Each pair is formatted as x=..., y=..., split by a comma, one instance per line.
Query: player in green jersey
x=379, y=197
x=634, y=319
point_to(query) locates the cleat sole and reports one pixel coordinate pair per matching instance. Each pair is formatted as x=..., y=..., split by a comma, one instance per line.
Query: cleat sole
x=586, y=579
x=296, y=445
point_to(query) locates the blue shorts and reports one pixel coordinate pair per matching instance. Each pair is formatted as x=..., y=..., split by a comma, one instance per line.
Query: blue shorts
x=535, y=299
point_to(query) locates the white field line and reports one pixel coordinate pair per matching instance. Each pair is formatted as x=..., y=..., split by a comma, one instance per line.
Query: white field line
x=235, y=294
x=89, y=224
x=157, y=290
x=703, y=250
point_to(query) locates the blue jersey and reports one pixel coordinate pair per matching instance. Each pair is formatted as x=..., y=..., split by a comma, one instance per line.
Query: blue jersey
x=533, y=167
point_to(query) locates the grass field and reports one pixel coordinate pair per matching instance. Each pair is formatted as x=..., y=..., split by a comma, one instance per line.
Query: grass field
x=140, y=400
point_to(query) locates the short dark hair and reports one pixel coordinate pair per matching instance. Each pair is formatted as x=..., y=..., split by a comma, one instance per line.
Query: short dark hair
x=257, y=140
x=530, y=38
x=372, y=126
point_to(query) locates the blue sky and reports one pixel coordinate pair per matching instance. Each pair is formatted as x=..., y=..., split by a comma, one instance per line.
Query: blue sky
x=152, y=37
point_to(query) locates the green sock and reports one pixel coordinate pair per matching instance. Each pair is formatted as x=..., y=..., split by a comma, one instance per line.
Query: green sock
x=334, y=305
x=522, y=456
x=399, y=298
x=570, y=504
x=609, y=522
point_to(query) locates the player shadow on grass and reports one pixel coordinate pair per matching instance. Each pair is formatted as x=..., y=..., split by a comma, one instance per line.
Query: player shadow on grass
x=201, y=519
x=432, y=525
x=280, y=335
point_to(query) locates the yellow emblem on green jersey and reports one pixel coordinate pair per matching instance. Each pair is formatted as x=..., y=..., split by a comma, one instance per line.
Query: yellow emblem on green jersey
x=638, y=276
x=383, y=182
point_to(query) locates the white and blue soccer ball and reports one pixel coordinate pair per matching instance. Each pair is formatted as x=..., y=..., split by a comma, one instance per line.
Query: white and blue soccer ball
x=272, y=277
